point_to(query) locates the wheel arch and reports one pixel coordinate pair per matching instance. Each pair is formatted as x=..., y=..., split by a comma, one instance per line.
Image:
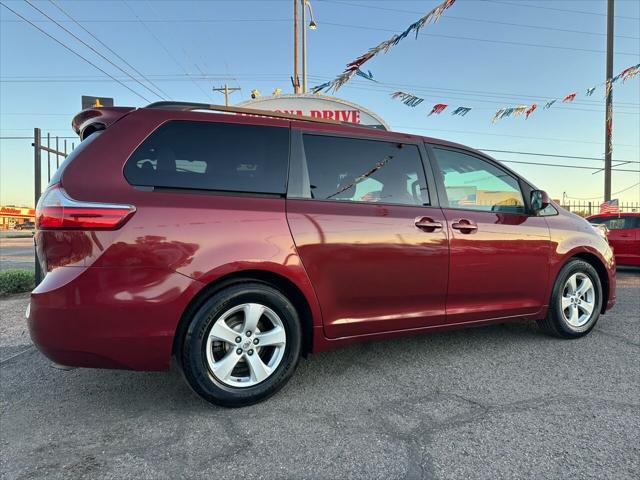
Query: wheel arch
x=280, y=282
x=600, y=268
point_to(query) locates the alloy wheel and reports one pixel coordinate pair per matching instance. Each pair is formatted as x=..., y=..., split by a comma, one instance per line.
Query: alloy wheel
x=245, y=345
x=578, y=300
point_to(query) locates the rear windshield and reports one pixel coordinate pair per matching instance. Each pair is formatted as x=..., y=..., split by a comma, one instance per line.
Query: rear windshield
x=74, y=153
x=212, y=156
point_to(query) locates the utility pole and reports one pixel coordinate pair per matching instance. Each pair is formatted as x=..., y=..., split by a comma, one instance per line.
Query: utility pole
x=226, y=91
x=304, y=47
x=608, y=121
x=296, y=77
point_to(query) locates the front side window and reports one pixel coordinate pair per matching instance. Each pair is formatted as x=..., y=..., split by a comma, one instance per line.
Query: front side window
x=475, y=184
x=212, y=156
x=357, y=170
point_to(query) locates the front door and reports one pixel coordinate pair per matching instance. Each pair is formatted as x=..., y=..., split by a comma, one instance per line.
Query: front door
x=499, y=254
x=375, y=250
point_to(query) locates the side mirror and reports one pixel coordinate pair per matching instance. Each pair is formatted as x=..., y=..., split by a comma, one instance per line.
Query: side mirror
x=539, y=200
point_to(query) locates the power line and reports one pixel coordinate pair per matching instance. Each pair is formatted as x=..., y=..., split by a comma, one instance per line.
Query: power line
x=111, y=50
x=165, y=48
x=72, y=51
x=475, y=39
x=582, y=12
x=600, y=196
x=537, y=154
x=91, y=48
x=559, y=165
x=478, y=20
x=436, y=97
x=528, y=137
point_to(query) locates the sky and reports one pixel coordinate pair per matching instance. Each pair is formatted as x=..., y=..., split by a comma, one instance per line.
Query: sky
x=482, y=54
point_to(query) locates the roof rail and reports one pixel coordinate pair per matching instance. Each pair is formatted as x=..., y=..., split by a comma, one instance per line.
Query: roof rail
x=188, y=106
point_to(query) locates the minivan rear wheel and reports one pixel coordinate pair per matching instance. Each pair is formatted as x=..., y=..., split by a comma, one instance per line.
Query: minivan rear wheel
x=575, y=302
x=242, y=345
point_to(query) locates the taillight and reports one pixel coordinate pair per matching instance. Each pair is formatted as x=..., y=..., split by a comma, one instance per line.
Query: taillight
x=56, y=210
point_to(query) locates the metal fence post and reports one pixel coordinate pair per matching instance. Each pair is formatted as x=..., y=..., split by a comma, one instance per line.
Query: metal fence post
x=48, y=157
x=37, y=186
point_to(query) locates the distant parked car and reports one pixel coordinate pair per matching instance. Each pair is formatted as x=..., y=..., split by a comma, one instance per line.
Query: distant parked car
x=238, y=243
x=624, y=235
x=28, y=225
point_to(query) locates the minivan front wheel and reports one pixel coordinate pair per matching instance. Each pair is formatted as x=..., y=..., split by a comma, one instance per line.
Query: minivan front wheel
x=575, y=303
x=242, y=345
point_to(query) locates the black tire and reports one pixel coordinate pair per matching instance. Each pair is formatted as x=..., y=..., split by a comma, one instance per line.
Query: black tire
x=555, y=323
x=193, y=361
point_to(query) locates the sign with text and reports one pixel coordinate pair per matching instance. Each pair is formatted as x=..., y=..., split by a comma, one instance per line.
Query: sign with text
x=318, y=106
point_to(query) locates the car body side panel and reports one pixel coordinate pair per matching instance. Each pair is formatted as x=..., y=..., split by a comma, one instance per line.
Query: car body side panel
x=572, y=235
x=499, y=270
x=113, y=317
x=193, y=238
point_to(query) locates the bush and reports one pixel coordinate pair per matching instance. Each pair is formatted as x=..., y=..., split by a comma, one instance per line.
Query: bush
x=16, y=281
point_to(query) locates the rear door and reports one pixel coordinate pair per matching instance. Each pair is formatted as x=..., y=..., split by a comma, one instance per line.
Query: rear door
x=365, y=224
x=499, y=254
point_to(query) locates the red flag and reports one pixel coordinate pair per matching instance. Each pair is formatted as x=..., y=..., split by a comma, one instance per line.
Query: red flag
x=530, y=110
x=438, y=108
x=570, y=97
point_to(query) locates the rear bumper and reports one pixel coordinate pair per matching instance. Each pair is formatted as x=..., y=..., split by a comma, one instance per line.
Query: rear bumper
x=122, y=317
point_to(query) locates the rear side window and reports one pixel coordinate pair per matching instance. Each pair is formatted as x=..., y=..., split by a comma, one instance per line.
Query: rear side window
x=212, y=156
x=358, y=170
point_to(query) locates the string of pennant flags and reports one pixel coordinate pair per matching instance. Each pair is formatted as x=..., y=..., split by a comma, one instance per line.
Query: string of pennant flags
x=519, y=110
x=353, y=68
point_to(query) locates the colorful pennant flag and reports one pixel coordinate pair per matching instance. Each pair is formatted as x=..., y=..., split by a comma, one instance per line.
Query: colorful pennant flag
x=462, y=111
x=629, y=73
x=352, y=67
x=530, y=111
x=408, y=98
x=368, y=75
x=438, y=108
x=412, y=100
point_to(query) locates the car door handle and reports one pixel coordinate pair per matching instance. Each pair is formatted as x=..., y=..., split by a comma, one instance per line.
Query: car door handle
x=464, y=225
x=427, y=224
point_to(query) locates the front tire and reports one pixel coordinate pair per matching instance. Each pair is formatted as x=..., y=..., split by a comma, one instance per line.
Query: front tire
x=576, y=301
x=242, y=345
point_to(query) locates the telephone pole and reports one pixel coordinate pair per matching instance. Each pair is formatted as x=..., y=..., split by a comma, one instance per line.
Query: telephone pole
x=608, y=121
x=226, y=91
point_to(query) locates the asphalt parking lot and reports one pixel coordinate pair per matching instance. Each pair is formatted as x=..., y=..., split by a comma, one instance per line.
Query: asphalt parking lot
x=497, y=402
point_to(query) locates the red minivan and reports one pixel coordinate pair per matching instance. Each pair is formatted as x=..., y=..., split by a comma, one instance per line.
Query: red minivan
x=236, y=242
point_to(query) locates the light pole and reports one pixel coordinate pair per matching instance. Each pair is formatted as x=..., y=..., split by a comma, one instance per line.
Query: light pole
x=296, y=78
x=312, y=26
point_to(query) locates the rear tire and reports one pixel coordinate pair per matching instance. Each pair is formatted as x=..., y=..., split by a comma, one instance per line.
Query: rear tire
x=576, y=301
x=242, y=345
